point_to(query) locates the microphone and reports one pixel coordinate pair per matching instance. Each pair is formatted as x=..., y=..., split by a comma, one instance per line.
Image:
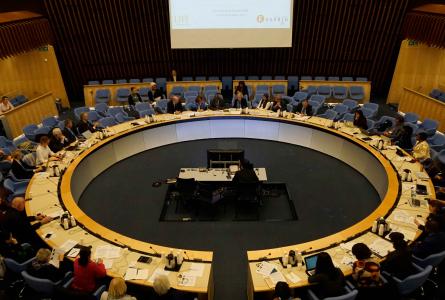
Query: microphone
x=185, y=253
x=120, y=244
x=265, y=257
x=156, y=253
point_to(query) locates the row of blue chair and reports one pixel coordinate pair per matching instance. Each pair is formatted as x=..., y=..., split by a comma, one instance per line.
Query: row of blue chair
x=438, y=94
x=336, y=92
x=18, y=100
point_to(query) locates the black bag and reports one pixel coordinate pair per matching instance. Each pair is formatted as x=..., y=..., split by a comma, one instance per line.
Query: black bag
x=131, y=112
x=384, y=126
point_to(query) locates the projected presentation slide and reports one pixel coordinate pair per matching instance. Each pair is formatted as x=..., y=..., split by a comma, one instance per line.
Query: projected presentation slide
x=231, y=23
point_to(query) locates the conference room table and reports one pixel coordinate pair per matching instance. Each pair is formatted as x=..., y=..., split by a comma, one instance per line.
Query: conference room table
x=53, y=195
x=215, y=174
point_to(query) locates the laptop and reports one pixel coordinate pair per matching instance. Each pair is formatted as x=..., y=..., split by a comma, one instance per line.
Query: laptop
x=311, y=263
x=421, y=189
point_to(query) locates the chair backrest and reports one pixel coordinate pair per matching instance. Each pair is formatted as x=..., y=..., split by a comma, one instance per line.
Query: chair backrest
x=44, y=286
x=113, y=111
x=227, y=82
x=135, y=80
x=253, y=77
x=411, y=117
x=324, y=90
x=368, y=113
x=279, y=77
x=101, y=107
x=333, y=78
x=50, y=121
x=162, y=104
x=194, y=88
x=240, y=77
x=278, y=89
x=107, y=81
x=413, y=282
x=348, y=296
x=213, y=78
x=371, y=106
x=370, y=123
x=16, y=267
x=292, y=82
x=341, y=108
x=123, y=93
x=107, y=122
x=161, y=82
x=356, y=90
x=429, y=124
x=262, y=89
x=93, y=116
x=93, y=82
x=190, y=94
x=431, y=260
x=79, y=110
x=305, y=77
x=103, y=93
x=143, y=92
x=187, y=78
x=121, y=81
x=320, y=78
x=330, y=114
x=44, y=130
x=347, y=78
x=266, y=77
x=140, y=106
x=210, y=88
x=299, y=96
x=341, y=90
x=148, y=79
x=351, y=104
x=361, y=79
x=200, y=78
x=348, y=117
x=318, y=98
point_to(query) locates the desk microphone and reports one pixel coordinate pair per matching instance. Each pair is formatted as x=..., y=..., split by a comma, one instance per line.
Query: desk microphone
x=156, y=252
x=185, y=253
x=265, y=257
x=120, y=244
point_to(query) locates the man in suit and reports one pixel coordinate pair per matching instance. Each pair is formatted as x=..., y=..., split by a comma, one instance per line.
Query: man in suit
x=154, y=94
x=68, y=131
x=240, y=101
x=134, y=96
x=304, y=108
x=217, y=102
x=85, y=125
x=174, y=106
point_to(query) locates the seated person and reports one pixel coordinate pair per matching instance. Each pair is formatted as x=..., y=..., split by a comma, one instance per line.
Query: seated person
x=201, y=104
x=433, y=241
x=85, y=125
x=58, y=141
x=5, y=105
x=43, y=152
x=398, y=263
x=217, y=102
x=154, y=94
x=21, y=169
x=174, y=106
x=10, y=248
x=242, y=88
x=117, y=290
x=86, y=272
x=246, y=174
x=162, y=289
x=282, y=291
x=265, y=102
x=239, y=101
x=404, y=140
x=68, y=131
x=278, y=104
x=360, y=120
x=329, y=279
x=365, y=270
x=421, y=150
x=134, y=96
x=395, y=132
x=303, y=108
x=41, y=268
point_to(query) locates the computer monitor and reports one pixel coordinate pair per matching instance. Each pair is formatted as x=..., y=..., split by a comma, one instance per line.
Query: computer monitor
x=223, y=158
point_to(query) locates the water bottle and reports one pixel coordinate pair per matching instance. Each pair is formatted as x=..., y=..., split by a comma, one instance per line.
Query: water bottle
x=73, y=221
x=374, y=226
x=381, y=229
x=285, y=259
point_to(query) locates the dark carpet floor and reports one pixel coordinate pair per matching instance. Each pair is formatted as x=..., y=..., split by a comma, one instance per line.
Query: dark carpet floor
x=321, y=187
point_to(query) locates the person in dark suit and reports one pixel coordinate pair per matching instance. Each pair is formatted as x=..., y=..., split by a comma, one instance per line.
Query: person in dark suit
x=304, y=108
x=57, y=141
x=404, y=141
x=398, y=263
x=68, y=131
x=154, y=94
x=174, y=76
x=201, y=104
x=360, y=120
x=20, y=169
x=433, y=242
x=240, y=101
x=246, y=174
x=174, y=106
x=217, y=102
x=242, y=88
x=85, y=125
x=134, y=96
x=278, y=104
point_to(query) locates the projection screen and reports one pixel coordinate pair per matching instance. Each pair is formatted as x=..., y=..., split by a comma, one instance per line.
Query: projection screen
x=230, y=23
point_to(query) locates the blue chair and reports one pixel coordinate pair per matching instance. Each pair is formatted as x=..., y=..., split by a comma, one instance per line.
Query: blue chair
x=135, y=80
x=361, y=79
x=347, y=78
x=254, y=77
x=101, y=109
x=209, y=88
x=411, y=117
x=44, y=287
x=102, y=96
x=348, y=117
x=429, y=126
x=333, y=78
x=433, y=260
x=325, y=91
x=122, y=95
x=121, y=118
x=79, y=110
x=318, y=98
x=187, y=78
x=370, y=123
x=107, y=81
x=194, y=88
x=96, y=294
x=311, y=90
x=144, y=109
x=7, y=144
x=435, y=93
x=43, y=130
x=113, y=111
x=5, y=167
x=143, y=92
x=279, y=77
x=341, y=109
x=147, y=79
x=200, y=78
x=240, y=77
x=413, y=126
x=14, y=102
x=120, y=81
x=93, y=82
x=213, y=78
x=329, y=114
x=107, y=122
x=367, y=113
x=209, y=95
x=351, y=104
x=15, y=179
x=356, y=93
x=437, y=141
x=190, y=94
x=16, y=189
x=93, y=116
x=177, y=91
x=384, y=119
x=412, y=282
x=15, y=268
x=227, y=82
x=161, y=82
x=190, y=99
x=50, y=121
x=266, y=77
x=256, y=100
x=374, y=107
x=305, y=77
x=29, y=131
x=350, y=294
x=320, y=78
x=262, y=89
x=315, y=106
x=300, y=96
x=340, y=92
x=442, y=97
x=292, y=83
x=161, y=104
x=441, y=157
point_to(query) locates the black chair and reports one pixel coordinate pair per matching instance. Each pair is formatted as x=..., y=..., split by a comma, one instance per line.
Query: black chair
x=248, y=195
x=209, y=196
x=185, y=192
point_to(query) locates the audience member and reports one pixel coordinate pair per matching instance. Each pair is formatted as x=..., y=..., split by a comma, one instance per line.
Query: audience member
x=278, y=104
x=239, y=101
x=134, y=96
x=365, y=270
x=421, y=150
x=360, y=120
x=5, y=105
x=20, y=169
x=68, y=131
x=154, y=94
x=433, y=241
x=58, y=141
x=201, y=104
x=395, y=133
x=330, y=280
x=303, y=108
x=43, y=152
x=85, y=125
x=163, y=291
x=242, y=88
x=398, y=263
x=117, y=290
x=87, y=272
x=11, y=248
x=217, y=102
x=265, y=102
x=174, y=106
x=41, y=267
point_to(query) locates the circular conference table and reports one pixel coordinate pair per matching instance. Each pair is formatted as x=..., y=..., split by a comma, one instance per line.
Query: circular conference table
x=53, y=195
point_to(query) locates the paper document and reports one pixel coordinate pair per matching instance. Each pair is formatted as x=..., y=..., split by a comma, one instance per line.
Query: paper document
x=73, y=253
x=403, y=217
x=68, y=245
x=408, y=233
x=136, y=274
x=54, y=260
x=108, y=263
x=195, y=269
x=293, y=277
x=347, y=260
x=381, y=247
x=107, y=251
x=186, y=280
x=265, y=268
x=277, y=277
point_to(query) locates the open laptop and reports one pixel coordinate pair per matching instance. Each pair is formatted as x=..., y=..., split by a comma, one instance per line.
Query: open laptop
x=311, y=263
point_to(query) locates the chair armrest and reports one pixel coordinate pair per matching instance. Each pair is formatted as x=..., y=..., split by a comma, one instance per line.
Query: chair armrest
x=68, y=283
x=68, y=275
x=312, y=295
x=397, y=280
x=349, y=285
x=22, y=184
x=99, y=291
x=26, y=263
x=417, y=267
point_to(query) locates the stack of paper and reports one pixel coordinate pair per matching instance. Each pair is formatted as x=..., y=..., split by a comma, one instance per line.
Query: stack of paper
x=265, y=268
x=407, y=232
x=196, y=270
x=403, y=217
x=136, y=274
x=186, y=280
x=108, y=252
x=293, y=277
x=381, y=247
x=54, y=260
x=68, y=245
x=276, y=277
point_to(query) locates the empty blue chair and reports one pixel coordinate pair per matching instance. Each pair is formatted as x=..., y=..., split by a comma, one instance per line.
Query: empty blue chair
x=190, y=94
x=208, y=88
x=382, y=120
x=50, y=121
x=311, y=90
x=442, y=97
x=121, y=117
x=325, y=91
x=362, y=79
x=120, y=81
x=209, y=95
x=113, y=111
x=348, y=117
x=102, y=96
x=107, y=122
x=161, y=82
x=262, y=89
x=194, y=88
x=356, y=92
x=177, y=91
x=96, y=293
x=278, y=89
x=227, y=82
x=320, y=78
x=79, y=110
x=107, y=81
x=329, y=114
x=350, y=294
x=122, y=95
x=340, y=92
x=441, y=157
x=143, y=92
x=253, y=77
x=213, y=78
x=367, y=113
x=190, y=99
x=315, y=106
x=266, y=77
x=161, y=104
x=29, y=131
x=17, y=268
x=412, y=282
x=435, y=93
x=305, y=77
x=411, y=117
x=14, y=102
x=44, y=287
x=101, y=109
x=20, y=99
x=256, y=100
x=135, y=80
x=5, y=167
x=201, y=78
x=351, y=104
x=93, y=116
x=7, y=144
x=374, y=107
x=16, y=189
x=341, y=109
x=187, y=78
x=144, y=108
x=93, y=82
x=292, y=83
x=347, y=78
x=279, y=77
x=333, y=78
x=318, y=98
x=148, y=79
x=429, y=126
x=437, y=141
x=240, y=77
x=43, y=130
x=300, y=96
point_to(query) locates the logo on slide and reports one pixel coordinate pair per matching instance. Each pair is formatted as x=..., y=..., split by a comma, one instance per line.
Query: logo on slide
x=271, y=19
x=260, y=18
